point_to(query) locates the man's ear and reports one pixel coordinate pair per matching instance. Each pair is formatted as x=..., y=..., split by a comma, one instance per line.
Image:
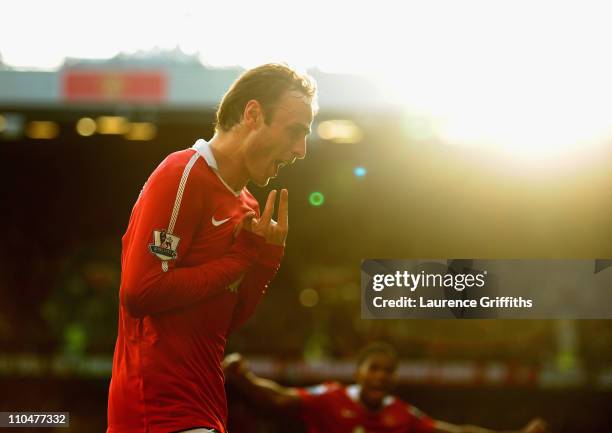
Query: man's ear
x=253, y=114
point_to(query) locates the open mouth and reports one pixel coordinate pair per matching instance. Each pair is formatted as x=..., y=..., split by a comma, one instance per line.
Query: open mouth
x=278, y=164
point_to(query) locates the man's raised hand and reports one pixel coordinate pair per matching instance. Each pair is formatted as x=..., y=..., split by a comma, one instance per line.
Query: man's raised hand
x=274, y=232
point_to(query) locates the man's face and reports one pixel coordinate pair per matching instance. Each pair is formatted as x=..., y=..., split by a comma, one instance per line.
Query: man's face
x=376, y=375
x=282, y=141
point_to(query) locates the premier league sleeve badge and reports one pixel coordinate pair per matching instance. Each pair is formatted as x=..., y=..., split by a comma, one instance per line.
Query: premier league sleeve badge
x=164, y=245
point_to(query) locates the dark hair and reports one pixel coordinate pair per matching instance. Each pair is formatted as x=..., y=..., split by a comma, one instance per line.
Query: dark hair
x=375, y=348
x=266, y=84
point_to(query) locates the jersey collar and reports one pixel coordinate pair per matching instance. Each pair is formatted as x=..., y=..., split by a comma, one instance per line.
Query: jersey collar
x=203, y=148
x=353, y=391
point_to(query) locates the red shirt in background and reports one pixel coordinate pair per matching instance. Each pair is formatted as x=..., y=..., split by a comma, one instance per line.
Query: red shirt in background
x=333, y=408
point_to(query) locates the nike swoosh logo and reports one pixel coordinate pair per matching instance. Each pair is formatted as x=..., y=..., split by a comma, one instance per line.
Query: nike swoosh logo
x=217, y=223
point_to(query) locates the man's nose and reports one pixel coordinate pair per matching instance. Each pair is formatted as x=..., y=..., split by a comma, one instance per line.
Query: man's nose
x=382, y=375
x=299, y=150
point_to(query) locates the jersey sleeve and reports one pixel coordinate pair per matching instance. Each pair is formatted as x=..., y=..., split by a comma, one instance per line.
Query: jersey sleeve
x=313, y=400
x=148, y=286
x=419, y=421
x=255, y=283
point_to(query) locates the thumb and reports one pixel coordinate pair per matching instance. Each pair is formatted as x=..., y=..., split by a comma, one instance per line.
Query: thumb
x=245, y=223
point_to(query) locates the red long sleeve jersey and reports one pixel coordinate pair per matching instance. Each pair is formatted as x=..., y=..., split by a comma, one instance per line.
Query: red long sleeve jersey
x=187, y=282
x=333, y=408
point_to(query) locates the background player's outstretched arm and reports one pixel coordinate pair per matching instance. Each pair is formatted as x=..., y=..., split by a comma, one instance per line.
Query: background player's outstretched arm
x=534, y=426
x=263, y=392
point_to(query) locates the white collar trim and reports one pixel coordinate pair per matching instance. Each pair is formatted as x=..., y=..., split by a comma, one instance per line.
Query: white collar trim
x=203, y=148
x=353, y=391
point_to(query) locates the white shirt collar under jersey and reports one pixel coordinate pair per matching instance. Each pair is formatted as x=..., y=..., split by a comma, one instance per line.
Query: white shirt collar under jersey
x=203, y=148
x=353, y=391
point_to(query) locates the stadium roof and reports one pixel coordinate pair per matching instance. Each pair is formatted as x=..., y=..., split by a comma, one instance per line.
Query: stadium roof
x=162, y=78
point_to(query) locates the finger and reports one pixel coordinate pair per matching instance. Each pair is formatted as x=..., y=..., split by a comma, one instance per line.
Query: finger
x=538, y=425
x=233, y=357
x=229, y=359
x=248, y=219
x=245, y=223
x=283, y=209
x=266, y=216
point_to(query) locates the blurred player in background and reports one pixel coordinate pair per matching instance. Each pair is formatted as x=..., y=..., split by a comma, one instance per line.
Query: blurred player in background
x=365, y=407
x=197, y=256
